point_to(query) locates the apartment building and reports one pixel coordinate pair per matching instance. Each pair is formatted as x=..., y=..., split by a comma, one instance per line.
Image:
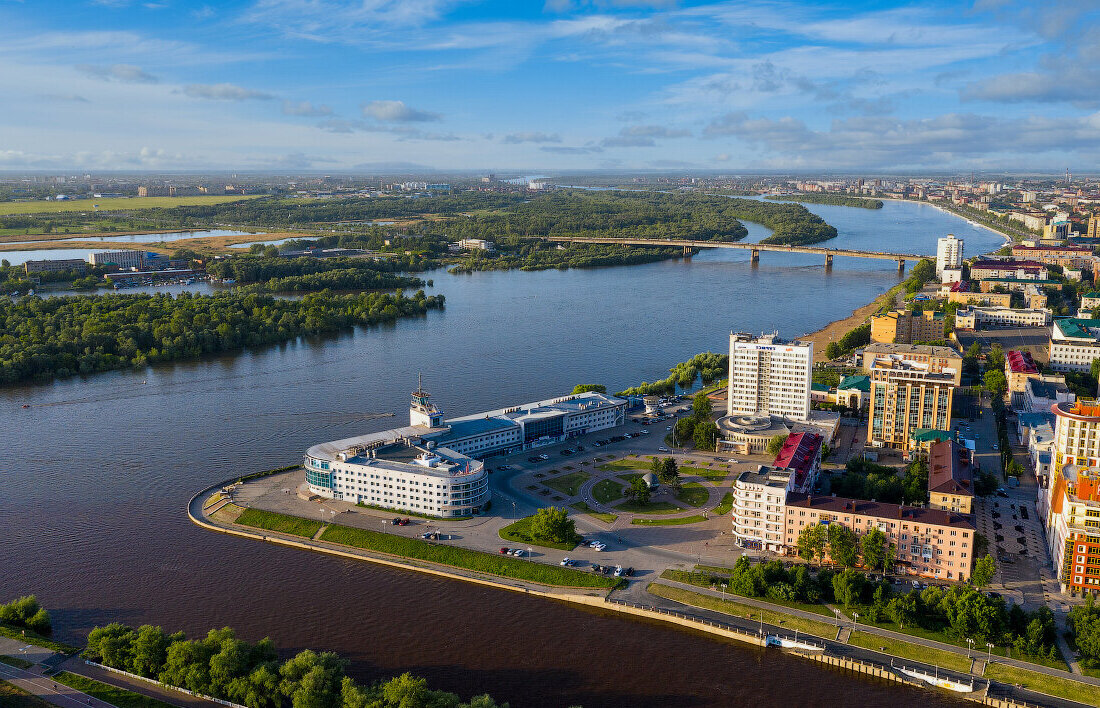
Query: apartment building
x=949, y=254
x=905, y=327
x=938, y=359
x=1019, y=367
x=950, y=477
x=769, y=376
x=1021, y=270
x=974, y=317
x=1074, y=343
x=930, y=542
x=907, y=396
x=1065, y=256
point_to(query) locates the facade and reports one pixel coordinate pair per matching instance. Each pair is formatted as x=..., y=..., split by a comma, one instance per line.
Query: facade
x=974, y=317
x=930, y=542
x=905, y=397
x=1065, y=256
x=1022, y=270
x=769, y=376
x=431, y=466
x=123, y=259
x=950, y=477
x=1090, y=300
x=1042, y=392
x=55, y=266
x=906, y=327
x=1072, y=506
x=1074, y=343
x=758, y=509
x=853, y=391
x=949, y=254
x=938, y=359
x=1019, y=367
x=982, y=298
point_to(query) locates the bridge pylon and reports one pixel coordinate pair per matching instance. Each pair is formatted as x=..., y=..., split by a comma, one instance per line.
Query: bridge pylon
x=901, y=266
x=756, y=256
x=828, y=261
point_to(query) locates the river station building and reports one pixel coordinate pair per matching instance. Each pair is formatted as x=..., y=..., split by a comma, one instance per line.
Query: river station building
x=433, y=466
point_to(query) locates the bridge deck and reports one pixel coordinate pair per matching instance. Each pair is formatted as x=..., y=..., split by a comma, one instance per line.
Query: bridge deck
x=777, y=247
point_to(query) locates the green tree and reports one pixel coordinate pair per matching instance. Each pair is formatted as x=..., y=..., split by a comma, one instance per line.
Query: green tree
x=701, y=406
x=150, y=651
x=553, y=524
x=666, y=469
x=1084, y=622
x=638, y=491
x=587, y=388
x=812, y=541
x=685, y=430
x=775, y=445
x=995, y=382
x=873, y=548
x=312, y=680
x=903, y=609
x=843, y=545
x=832, y=350
x=705, y=435
x=848, y=586
x=915, y=484
x=984, y=570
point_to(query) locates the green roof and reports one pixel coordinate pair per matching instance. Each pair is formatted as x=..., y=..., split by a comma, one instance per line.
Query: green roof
x=930, y=435
x=1094, y=293
x=819, y=387
x=861, y=382
x=1078, y=328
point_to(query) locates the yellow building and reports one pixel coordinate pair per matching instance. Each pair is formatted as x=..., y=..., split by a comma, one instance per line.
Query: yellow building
x=904, y=327
x=907, y=396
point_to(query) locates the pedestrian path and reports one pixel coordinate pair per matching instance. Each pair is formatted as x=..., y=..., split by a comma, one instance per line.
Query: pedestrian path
x=48, y=690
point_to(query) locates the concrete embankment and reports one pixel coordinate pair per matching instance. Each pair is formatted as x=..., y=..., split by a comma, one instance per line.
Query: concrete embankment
x=594, y=598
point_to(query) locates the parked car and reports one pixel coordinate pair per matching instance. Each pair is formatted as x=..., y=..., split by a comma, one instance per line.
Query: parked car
x=618, y=571
x=731, y=461
x=645, y=432
x=662, y=448
x=566, y=562
x=544, y=457
x=518, y=552
x=404, y=522
x=505, y=551
x=395, y=520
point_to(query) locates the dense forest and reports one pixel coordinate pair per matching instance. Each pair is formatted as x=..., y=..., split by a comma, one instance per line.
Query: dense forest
x=830, y=199
x=275, y=274
x=41, y=339
x=225, y=667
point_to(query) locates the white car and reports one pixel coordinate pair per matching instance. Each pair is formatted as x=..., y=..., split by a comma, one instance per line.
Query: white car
x=566, y=562
x=618, y=571
x=668, y=427
x=518, y=552
x=731, y=462
x=644, y=432
x=662, y=449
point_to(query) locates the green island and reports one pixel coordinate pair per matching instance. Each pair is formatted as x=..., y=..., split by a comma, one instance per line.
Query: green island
x=58, y=337
x=829, y=199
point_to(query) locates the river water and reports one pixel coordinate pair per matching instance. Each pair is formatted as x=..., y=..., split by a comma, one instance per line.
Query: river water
x=97, y=473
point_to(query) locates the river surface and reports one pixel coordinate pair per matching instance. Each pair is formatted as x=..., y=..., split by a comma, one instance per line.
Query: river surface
x=97, y=473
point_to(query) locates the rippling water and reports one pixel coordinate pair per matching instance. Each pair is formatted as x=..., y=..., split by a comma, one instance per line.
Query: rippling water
x=97, y=473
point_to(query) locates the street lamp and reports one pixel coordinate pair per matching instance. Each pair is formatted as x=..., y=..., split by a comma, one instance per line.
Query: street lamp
x=989, y=652
x=969, y=646
x=856, y=615
x=761, y=624
x=513, y=512
x=837, y=613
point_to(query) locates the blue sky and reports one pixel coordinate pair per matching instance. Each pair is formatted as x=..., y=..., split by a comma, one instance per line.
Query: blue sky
x=339, y=85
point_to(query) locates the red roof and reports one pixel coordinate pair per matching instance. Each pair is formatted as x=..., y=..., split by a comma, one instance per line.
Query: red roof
x=1055, y=249
x=1020, y=362
x=798, y=454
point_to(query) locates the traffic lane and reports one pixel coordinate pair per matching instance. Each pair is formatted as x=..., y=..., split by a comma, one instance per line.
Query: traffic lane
x=57, y=693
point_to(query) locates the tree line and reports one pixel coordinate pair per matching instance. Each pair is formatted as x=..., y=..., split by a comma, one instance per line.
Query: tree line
x=707, y=366
x=274, y=274
x=223, y=666
x=57, y=337
x=830, y=199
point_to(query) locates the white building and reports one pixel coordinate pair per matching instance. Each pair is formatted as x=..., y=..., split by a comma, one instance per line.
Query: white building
x=769, y=376
x=1074, y=343
x=759, y=507
x=123, y=259
x=949, y=254
x=974, y=317
x=429, y=467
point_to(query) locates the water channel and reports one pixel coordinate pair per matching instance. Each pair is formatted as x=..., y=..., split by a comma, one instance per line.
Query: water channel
x=97, y=473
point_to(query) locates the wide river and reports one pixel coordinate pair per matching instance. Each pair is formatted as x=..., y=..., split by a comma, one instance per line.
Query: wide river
x=97, y=473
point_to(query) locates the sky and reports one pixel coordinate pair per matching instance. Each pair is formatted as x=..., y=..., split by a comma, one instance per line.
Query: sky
x=362, y=85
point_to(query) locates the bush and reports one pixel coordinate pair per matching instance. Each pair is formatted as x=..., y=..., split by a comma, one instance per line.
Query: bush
x=27, y=613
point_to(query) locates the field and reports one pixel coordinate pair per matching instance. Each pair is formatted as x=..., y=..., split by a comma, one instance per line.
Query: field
x=602, y=516
x=109, y=694
x=716, y=474
x=725, y=506
x=693, y=494
x=44, y=207
x=678, y=521
x=568, y=484
x=270, y=521
x=491, y=563
x=906, y=650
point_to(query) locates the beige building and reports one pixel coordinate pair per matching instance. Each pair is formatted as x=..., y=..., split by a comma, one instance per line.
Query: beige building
x=950, y=477
x=905, y=327
x=907, y=396
x=975, y=317
x=938, y=359
x=987, y=299
x=930, y=542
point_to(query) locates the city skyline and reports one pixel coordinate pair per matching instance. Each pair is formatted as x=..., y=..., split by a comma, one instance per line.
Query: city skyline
x=345, y=86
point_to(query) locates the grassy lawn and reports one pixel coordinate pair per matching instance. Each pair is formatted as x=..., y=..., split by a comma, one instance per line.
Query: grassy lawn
x=602, y=516
x=494, y=564
x=11, y=696
x=906, y=650
x=16, y=661
x=37, y=639
x=705, y=581
x=669, y=522
x=729, y=607
x=568, y=484
x=625, y=465
x=41, y=206
x=693, y=494
x=520, y=532
x=715, y=474
x=1053, y=685
x=725, y=506
x=607, y=491
x=650, y=508
x=714, y=569
x=402, y=512
x=629, y=478
x=115, y=696
x=270, y=521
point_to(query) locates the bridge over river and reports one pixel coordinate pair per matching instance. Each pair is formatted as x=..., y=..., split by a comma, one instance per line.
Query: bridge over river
x=756, y=248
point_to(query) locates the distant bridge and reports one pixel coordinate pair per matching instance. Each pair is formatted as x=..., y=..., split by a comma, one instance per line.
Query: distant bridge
x=756, y=248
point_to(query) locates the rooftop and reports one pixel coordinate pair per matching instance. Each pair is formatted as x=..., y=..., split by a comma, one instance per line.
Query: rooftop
x=912, y=349
x=1077, y=328
x=922, y=435
x=880, y=510
x=765, y=476
x=1086, y=409
x=859, y=382
x=548, y=408
x=1020, y=362
x=1006, y=265
x=949, y=470
x=798, y=454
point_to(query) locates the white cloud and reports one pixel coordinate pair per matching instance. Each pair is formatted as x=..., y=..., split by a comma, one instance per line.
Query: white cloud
x=397, y=112
x=127, y=73
x=305, y=108
x=225, y=92
x=531, y=137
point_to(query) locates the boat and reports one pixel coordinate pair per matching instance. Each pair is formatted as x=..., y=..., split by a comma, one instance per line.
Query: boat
x=935, y=679
x=774, y=640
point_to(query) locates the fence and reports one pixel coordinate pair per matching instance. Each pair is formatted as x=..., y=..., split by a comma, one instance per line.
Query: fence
x=164, y=685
